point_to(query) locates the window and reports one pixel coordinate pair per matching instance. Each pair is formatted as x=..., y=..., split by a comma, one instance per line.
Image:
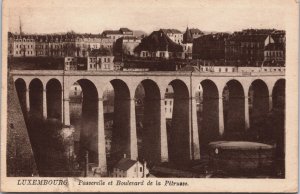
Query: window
x=219, y=69
x=165, y=102
x=170, y=102
x=141, y=169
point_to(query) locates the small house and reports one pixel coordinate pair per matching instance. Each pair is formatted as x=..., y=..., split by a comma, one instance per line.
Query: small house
x=130, y=168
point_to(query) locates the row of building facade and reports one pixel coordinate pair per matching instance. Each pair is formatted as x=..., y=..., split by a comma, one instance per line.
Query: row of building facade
x=251, y=46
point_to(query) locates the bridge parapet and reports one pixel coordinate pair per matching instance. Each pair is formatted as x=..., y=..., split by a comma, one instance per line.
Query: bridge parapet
x=135, y=73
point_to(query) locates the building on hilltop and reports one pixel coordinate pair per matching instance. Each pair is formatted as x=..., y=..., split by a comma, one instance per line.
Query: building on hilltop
x=255, y=46
x=55, y=45
x=274, y=50
x=125, y=46
x=114, y=35
x=21, y=45
x=210, y=46
x=159, y=45
x=98, y=60
x=174, y=34
x=196, y=33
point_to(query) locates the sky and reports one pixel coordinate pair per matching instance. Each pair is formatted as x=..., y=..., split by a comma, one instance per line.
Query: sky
x=94, y=16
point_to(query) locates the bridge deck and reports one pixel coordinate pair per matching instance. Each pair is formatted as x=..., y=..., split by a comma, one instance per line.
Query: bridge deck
x=149, y=73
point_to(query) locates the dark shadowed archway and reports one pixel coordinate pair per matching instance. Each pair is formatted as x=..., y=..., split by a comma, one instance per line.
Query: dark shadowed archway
x=178, y=132
x=209, y=126
x=87, y=129
x=234, y=110
x=258, y=102
x=54, y=99
x=278, y=121
x=148, y=103
x=21, y=91
x=36, y=98
x=121, y=121
x=278, y=95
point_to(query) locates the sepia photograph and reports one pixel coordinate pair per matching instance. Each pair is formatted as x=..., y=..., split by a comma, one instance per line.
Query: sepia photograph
x=170, y=93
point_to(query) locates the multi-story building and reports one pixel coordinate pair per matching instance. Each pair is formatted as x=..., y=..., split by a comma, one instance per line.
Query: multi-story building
x=42, y=46
x=11, y=44
x=159, y=45
x=85, y=43
x=126, y=45
x=98, y=60
x=116, y=34
x=21, y=45
x=210, y=46
x=248, y=46
x=174, y=34
x=70, y=63
x=274, y=50
x=56, y=45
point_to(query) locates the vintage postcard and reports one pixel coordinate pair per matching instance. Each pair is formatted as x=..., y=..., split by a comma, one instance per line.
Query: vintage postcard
x=152, y=95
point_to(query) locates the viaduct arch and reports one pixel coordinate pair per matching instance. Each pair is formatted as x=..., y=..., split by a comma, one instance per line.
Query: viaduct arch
x=267, y=90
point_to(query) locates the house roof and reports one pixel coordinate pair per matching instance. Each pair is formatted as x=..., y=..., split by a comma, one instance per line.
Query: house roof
x=196, y=31
x=187, y=36
x=158, y=41
x=125, y=30
x=213, y=37
x=174, y=31
x=248, y=37
x=125, y=164
x=274, y=46
x=111, y=32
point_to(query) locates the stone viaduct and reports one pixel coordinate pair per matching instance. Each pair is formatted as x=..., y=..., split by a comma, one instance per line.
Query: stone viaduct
x=46, y=93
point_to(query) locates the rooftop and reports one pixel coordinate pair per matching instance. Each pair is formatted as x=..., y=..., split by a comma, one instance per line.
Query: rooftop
x=158, y=41
x=173, y=31
x=125, y=163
